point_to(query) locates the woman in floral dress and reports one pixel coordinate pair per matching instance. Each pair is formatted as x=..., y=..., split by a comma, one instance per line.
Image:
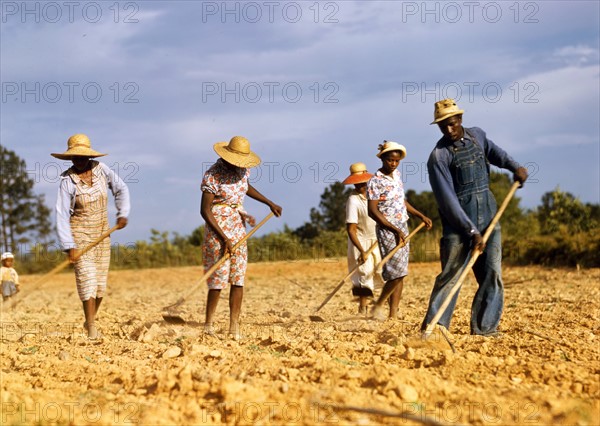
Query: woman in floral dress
x=390, y=209
x=224, y=187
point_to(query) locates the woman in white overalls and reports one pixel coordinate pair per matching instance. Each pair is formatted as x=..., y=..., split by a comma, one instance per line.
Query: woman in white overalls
x=82, y=217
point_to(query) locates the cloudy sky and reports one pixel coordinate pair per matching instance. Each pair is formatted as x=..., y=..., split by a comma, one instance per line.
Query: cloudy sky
x=315, y=86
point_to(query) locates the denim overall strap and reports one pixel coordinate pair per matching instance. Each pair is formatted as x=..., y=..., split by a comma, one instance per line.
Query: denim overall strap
x=476, y=142
x=470, y=168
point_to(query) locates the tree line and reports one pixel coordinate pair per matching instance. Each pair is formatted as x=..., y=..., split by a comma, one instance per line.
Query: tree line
x=561, y=231
x=25, y=216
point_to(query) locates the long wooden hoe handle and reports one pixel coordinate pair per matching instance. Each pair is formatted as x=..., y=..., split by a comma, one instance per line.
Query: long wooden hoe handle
x=341, y=283
x=216, y=266
x=377, y=268
x=474, y=255
x=398, y=247
x=38, y=283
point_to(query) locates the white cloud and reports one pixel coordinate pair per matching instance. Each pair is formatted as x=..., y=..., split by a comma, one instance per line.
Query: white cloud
x=371, y=53
x=548, y=107
x=577, y=55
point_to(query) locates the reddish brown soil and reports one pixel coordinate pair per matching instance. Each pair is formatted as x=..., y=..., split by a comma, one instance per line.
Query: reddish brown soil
x=291, y=370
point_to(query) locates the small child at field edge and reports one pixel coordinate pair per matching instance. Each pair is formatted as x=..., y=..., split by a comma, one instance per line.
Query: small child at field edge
x=9, y=277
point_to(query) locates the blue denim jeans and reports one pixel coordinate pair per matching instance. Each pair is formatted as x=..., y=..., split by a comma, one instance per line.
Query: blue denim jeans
x=488, y=303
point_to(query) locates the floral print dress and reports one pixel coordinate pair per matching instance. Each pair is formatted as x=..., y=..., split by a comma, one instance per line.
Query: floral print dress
x=229, y=188
x=389, y=191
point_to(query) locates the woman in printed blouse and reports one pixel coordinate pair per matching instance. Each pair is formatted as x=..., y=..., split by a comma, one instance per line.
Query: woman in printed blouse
x=223, y=187
x=389, y=208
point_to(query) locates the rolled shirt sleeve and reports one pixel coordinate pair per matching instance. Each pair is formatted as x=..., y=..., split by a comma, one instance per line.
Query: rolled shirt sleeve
x=351, y=211
x=64, y=210
x=119, y=190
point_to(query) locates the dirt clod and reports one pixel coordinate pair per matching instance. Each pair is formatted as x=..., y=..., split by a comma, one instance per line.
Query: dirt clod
x=288, y=369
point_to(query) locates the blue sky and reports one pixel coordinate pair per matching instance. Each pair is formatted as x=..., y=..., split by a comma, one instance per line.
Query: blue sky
x=315, y=86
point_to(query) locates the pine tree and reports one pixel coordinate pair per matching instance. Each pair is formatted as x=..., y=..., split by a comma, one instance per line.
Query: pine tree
x=331, y=214
x=24, y=215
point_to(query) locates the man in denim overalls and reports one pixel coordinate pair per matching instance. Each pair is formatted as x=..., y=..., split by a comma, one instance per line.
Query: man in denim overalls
x=459, y=168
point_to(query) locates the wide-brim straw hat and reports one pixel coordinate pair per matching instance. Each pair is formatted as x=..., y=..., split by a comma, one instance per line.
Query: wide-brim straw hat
x=445, y=108
x=358, y=174
x=78, y=145
x=237, y=152
x=7, y=255
x=388, y=146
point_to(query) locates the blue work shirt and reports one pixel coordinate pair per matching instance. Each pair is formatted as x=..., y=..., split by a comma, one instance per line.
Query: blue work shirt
x=462, y=191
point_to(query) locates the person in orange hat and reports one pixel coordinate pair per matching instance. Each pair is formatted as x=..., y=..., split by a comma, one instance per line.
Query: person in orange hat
x=224, y=186
x=390, y=209
x=82, y=217
x=459, y=171
x=361, y=237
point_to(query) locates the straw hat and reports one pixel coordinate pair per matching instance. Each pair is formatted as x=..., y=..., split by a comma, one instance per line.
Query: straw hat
x=388, y=146
x=445, y=109
x=7, y=255
x=78, y=145
x=358, y=174
x=237, y=152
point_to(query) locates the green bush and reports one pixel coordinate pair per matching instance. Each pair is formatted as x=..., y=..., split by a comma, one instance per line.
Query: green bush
x=425, y=246
x=560, y=249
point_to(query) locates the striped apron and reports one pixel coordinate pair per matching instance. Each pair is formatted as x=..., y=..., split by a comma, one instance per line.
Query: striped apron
x=88, y=222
